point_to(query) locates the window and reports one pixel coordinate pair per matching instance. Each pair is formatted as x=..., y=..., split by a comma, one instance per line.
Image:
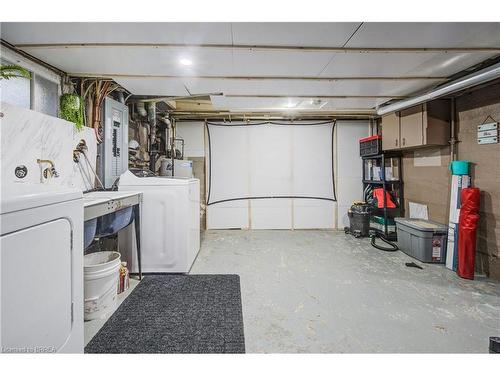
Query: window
x=40, y=94
x=45, y=96
x=15, y=91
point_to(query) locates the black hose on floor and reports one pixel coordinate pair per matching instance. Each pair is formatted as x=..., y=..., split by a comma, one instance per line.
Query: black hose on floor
x=393, y=246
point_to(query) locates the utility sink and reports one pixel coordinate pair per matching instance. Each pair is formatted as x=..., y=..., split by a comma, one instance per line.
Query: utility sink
x=107, y=212
x=89, y=231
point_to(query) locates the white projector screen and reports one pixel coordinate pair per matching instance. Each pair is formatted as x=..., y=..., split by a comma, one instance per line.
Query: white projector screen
x=270, y=160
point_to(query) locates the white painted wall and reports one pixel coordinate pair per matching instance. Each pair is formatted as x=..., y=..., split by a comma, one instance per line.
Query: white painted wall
x=27, y=135
x=349, y=166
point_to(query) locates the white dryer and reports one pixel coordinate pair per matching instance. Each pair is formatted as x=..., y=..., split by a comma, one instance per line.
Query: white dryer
x=170, y=222
x=41, y=269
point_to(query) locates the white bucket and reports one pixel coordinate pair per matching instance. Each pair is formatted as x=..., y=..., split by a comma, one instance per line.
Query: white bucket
x=101, y=272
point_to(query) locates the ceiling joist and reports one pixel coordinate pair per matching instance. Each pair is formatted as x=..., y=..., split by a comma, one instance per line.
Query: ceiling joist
x=257, y=78
x=265, y=47
x=317, y=96
x=267, y=115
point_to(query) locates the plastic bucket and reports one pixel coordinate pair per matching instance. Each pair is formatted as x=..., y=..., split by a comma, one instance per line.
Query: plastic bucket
x=101, y=272
x=459, y=167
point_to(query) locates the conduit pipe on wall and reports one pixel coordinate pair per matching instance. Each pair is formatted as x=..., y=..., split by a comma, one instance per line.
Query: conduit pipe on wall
x=453, y=126
x=153, y=150
x=480, y=77
x=172, y=145
x=141, y=109
x=168, y=130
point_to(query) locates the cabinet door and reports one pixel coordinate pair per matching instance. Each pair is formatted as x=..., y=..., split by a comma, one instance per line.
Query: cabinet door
x=437, y=126
x=390, y=132
x=412, y=127
x=36, y=287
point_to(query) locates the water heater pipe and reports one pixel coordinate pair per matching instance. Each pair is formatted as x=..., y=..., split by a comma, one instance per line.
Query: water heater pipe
x=152, y=135
x=172, y=145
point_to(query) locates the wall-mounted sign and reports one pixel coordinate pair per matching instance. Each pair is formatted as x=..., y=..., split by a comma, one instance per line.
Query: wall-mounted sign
x=487, y=133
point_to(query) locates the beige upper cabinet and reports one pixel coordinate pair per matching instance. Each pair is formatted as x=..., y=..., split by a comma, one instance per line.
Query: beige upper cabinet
x=423, y=125
x=390, y=132
x=412, y=130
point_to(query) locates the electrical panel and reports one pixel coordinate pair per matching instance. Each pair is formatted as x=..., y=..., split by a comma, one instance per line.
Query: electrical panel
x=114, y=148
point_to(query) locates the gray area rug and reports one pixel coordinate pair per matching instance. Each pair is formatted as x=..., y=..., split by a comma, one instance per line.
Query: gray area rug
x=176, y=314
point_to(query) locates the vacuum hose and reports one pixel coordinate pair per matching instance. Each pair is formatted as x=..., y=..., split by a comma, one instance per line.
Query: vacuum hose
x=392, y=245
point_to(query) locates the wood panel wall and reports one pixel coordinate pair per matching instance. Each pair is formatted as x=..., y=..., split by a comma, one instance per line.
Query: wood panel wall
x=473, y=109
x=430, y=185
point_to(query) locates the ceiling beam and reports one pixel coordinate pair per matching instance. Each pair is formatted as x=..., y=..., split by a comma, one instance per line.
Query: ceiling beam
x=264, y=47
x=11, y=47
x=318, y=96
x=268, y=115
x=166, y=99
x=257, y=78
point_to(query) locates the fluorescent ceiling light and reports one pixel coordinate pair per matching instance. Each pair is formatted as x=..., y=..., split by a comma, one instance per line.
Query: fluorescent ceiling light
x=186, y=62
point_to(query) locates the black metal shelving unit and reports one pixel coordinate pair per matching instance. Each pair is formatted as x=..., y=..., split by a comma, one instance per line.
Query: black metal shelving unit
x=394, y=185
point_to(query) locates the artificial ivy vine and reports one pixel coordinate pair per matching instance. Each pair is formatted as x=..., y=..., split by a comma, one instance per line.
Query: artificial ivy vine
x=71, y=109
x=14, y=71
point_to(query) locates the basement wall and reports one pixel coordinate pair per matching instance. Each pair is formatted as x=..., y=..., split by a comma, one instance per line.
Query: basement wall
x=473, y=109
x=348, y=163
x=193, y=134
x=427, y=179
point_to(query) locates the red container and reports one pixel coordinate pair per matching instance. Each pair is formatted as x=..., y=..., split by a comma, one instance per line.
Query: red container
x=467, y=227
x=370, y=146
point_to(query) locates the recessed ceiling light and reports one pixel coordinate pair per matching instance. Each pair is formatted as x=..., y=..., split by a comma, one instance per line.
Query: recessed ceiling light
x=186, y=62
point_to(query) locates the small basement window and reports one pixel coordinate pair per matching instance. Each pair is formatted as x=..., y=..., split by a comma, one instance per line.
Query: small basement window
x=45, y=96
x=40, y=94
x=15, y=91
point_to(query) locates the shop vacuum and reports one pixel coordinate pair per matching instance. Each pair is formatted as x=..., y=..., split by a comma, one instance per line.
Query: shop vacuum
x=359, y=226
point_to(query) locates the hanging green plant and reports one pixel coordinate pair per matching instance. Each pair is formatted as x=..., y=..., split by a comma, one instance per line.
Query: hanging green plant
x=71, y=109
x=13, y=71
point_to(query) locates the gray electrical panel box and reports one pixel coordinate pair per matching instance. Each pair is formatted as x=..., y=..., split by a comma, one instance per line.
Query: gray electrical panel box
x=113, y=151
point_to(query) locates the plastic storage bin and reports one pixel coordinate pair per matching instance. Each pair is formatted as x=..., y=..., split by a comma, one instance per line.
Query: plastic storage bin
x=378, y=222
x=424, y=240
x=370, y=146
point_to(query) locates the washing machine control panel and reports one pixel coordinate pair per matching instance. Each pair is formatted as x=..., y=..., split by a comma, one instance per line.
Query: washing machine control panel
x=142, y=172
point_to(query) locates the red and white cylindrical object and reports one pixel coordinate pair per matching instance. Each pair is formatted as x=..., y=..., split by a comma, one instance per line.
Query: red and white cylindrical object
x=467, y=232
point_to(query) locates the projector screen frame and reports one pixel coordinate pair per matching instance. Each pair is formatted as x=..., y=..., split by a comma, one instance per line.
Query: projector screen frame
x=207, y=123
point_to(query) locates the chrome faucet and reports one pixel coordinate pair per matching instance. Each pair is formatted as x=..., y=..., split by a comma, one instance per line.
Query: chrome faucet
x=81, y=149
x=50, y=171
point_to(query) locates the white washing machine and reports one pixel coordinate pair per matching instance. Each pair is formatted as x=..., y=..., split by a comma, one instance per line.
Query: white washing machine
x=170, y=222
x=41, y=269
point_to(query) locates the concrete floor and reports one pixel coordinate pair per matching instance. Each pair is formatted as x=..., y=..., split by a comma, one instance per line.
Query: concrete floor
x=324, y=291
